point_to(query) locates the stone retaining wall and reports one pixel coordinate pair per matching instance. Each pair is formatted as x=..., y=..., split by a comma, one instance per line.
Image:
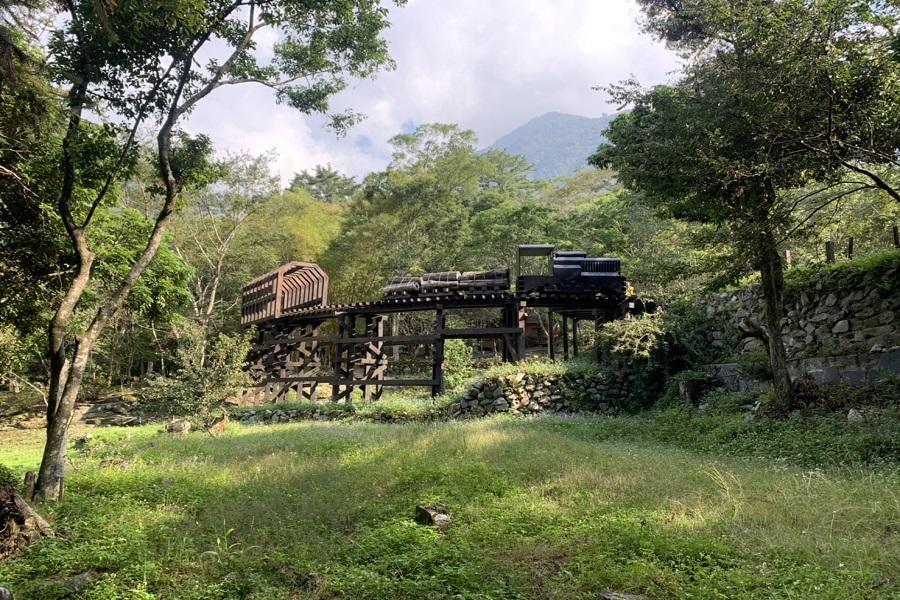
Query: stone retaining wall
x=530, y=394
x=841, y=312
x=854, y=369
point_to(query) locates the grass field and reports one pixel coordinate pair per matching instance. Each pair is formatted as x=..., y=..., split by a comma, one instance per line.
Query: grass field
x=544, y=508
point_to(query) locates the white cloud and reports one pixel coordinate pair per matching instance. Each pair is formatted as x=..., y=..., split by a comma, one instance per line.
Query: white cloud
x=489, y=65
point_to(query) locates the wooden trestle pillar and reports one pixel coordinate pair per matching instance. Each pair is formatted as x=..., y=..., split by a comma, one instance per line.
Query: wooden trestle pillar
x=437, y=356
x=575, y=337
x=551, y=338
x=565, y=334
x=374, y=361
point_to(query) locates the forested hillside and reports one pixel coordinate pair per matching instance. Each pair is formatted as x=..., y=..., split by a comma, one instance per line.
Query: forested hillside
x=556, y=144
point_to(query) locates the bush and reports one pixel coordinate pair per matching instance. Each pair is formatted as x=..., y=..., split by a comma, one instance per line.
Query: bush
x=209, y=374
x=7, y=477
x=457, y=363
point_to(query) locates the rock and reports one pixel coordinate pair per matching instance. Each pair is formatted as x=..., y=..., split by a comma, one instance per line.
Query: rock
x=122, y=421
x=179, y=426
x=842, y=326
x=501, y=405
x=854, y=416
x=5, y=594
x=82, y=442
x=435, y=515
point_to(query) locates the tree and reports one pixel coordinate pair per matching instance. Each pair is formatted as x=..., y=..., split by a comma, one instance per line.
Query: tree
x=835, y=65
x=137, y=63
x=420, y=213
x=726, y=145
x=325, y=184
x=205, y=232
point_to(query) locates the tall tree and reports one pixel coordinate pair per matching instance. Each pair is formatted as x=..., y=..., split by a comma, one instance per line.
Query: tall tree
x=728, y=143
x=326, y=184
x=205, y=232
x=137, y=63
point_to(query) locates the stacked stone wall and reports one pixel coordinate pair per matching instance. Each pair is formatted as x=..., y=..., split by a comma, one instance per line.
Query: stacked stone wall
x=839, y=312
x=531, y=394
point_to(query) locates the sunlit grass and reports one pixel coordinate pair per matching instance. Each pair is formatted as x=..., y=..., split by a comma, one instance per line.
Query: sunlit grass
x=541, y=510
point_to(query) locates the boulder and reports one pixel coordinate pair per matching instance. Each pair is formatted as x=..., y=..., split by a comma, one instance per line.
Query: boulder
x=179, y=426
x=435, y=515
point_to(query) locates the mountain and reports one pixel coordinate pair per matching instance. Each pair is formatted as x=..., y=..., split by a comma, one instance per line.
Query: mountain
x=555, y=143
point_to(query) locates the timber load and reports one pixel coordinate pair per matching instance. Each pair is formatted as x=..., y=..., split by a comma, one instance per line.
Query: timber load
x=447, y=282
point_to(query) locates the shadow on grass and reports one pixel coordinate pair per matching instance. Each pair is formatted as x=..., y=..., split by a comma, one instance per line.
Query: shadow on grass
x=324, y=510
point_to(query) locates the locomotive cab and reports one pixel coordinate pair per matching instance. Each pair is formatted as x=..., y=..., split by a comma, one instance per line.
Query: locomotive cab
x=569, y=272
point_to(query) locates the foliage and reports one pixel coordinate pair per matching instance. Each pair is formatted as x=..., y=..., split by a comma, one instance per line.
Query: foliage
x=8, y=477
x=628, y=339
x=541, y=508
x=326, y=184
x=457, y=363
x=874, y=265
x=419, y=214
x=197, y=390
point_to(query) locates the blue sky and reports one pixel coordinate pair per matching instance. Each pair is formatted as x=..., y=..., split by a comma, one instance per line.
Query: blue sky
x=488, y=65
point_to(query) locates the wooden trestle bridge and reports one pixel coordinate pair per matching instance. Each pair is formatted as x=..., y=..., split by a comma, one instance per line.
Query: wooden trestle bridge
x=297, y=349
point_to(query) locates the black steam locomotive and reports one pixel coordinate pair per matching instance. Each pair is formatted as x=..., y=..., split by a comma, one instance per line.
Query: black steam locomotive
x=567, y=272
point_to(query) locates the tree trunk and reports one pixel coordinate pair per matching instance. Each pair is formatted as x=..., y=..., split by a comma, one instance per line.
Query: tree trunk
x=67, y=376
x=772, y=277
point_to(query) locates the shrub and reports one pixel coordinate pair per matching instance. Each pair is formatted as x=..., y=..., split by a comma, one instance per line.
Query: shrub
x=628, y=339
x=457, y=363
x=209, y=374
x=7, y=477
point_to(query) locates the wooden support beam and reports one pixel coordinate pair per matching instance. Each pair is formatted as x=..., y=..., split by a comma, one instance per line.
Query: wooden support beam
x=551, y=340
x=575, y=337
x=337, y=359
x=437, y=358
x=565, y=334
x=521, y=314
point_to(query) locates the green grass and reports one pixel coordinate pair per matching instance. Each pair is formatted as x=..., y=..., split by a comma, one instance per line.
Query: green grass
x=545, y=508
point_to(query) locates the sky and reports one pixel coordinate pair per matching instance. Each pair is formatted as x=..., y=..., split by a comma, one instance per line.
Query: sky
x=487, y=65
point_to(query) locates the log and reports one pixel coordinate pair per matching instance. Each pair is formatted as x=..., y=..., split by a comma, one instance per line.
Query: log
x=485, y=284
x=492, y=274
x=411, y=287
x=439, y=285
x=442, y=276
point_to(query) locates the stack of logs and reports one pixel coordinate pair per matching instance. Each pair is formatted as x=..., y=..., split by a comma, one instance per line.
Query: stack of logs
x=446, y=282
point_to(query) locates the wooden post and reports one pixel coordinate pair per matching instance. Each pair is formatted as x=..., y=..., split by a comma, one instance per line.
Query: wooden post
x=395, y=330
x=575, y=337
x=829, y=252
x=896, y=231
x=520, y=337
x=437, y=358
x=565, y=334
x=787, y=258
x=850, y=248
x=337, y=359
x=551, y=340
